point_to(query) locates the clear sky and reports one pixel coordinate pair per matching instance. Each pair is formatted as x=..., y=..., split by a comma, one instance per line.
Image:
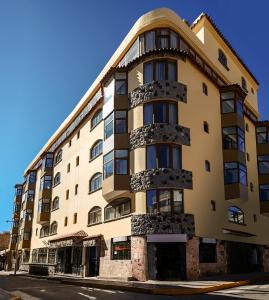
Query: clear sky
x=52, y=50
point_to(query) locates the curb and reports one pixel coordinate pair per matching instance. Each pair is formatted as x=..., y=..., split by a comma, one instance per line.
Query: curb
x=168, y=291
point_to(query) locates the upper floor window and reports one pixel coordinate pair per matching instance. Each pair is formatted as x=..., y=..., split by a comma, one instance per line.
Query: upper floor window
x=164, y=201
x=244, y=83
x=96, y=149
x=43, y=205
x=264, y=192
x=223, y=59
x=121, y=157
x=78, y=134
x=31, y=177
x=233, y=138
x=229, y=103
x=47, y=161
x=97, y=118
x=207, y=166
x=57, y=179
x=58, y=156
x=75, y=218
x=205, y=91
x=96, y=182
x=235, y=172
x=68, y=167
x=160, y=70
x=121, y=121
x=235, y=215
x=160, y=112
x=28, y=196
x=44, y=231
x=108, y=129
x=55, y=203
x=263, y=164
x=206, y=127
x=65, y=221
x=18, y=191
x=53, y=227
x=262, y=135
x=120, y=84
x=67, y=194
x=45, y=182
x=163, y=156
x=95, y=215
x=118, y=208
x=76, y=189
x=77, y=161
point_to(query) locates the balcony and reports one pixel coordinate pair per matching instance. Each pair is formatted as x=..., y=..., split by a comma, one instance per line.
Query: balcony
x=14, y=230
x=24, y=244
x=161, y=178
x=234, y=155
x=28, y=205
x=236, y=191
x=43, y=217
x=17, y=199
x=115, y=185
x=16, y=215
x=160, y=89
x=162, y=223
x=159, y=133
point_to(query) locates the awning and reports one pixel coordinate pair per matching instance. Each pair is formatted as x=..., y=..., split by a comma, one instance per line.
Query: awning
x=68, y=239
x=236, y=232
x=92, y=240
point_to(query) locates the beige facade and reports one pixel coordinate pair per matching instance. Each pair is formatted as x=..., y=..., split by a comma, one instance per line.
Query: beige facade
x=158, y=159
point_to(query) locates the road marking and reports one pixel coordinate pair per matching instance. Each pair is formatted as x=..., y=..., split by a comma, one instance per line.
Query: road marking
x=24, y=296
x=87, y=296
x=99, y=290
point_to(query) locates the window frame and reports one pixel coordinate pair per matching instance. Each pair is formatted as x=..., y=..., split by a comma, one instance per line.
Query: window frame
x=115, y=131
x=235, y=218
x=260, y=192
x=117, y=206
x=153, y=62
x=91, y=212
x=239, y=133
x=94, y=177
x=238, y=172
x=97, y=117
x=57, y=179
x=259, y=161
x=96, y=144
x=58, y=157
x=111, y=115
x=121, y=80
x=55, y=224
x=121, y=243
x=57, y=200
x=114, y=162
x=222, y=58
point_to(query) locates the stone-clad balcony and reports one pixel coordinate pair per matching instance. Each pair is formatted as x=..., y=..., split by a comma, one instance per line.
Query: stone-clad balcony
x=161, y=178
x=162, y=223
x=159, y=133
x=160, y=89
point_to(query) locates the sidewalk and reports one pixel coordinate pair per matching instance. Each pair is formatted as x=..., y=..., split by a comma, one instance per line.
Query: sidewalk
x=7, y=296
x=175, y=288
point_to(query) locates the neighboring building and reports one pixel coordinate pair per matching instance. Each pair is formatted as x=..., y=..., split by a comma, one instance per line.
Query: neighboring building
x=154, y=174
x=4, y=245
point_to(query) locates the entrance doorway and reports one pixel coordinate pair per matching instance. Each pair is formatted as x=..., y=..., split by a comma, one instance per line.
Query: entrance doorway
x=167, y=261
x=93, y=259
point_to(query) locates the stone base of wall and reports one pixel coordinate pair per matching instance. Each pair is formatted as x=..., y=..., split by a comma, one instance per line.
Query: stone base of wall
x=266, y=258
x=41, y=269
x=192, y=259
x=139, y=258
x=113, y=268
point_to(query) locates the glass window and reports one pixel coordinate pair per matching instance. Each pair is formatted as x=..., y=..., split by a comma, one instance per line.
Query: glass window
x=121, y=121
x=207, y=166
x=233, y=138
x=263, y=164
x=149, y=40
x=121, y=250
x=235, y=172
x=55, y=203
x=160, y=70
x=57, y=179
x=53, y=228
x=164, y=201
x=45, y=182
x=235, y=215
x=163, y=156
x=121, y=160
x=264, y=192
x=244, y=83
x=222, y=58
x=97, y=118
x=108, y=164
x=120, y=84
x=48, y=161
x=44, y=231
x=31, y=177
x=205, y=91
x=95, y=215
x=118, y=208
x=96, y=182
x=160, y=112
x=162, y=38
x=44, y=205
x=18, y=191
x=58, y=156
x=97, y=149
x=173, y=40
x=261, y=133
x=108, y=126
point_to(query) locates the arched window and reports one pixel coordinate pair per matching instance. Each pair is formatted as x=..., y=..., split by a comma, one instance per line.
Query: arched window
x=118, y=208
x=235, y=215
x=96, y=182
x=44, y=231
x=97, y=118
x=95, y=215
x=53, y=228
x=55, y=203
x=96, y=149
x=57, y=179
x=58, y=156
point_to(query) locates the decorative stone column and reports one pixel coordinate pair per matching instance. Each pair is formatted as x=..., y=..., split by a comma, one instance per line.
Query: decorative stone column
x=192, y=259
x=139, y=258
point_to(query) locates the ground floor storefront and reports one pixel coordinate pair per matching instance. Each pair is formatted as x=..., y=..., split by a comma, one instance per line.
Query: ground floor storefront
x=148, y=257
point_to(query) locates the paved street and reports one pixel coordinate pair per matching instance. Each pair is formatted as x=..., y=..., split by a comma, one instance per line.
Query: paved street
x=35, y=289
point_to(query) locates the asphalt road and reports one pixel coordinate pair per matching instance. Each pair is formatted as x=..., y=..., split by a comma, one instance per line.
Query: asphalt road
x=36, y=289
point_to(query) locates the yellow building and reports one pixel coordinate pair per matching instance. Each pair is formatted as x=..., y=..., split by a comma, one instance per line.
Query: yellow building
x=154, y=174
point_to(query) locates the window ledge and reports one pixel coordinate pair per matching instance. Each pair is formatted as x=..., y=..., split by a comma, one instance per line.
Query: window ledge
x=55, y=209
x=56, y=163
x=53, y=233
x=91, y=159
x=90, y=225
x=56, y=184
x=116, y=219
x=91, y=192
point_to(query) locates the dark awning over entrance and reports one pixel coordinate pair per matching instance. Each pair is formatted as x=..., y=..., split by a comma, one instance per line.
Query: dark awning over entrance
x=68, y=239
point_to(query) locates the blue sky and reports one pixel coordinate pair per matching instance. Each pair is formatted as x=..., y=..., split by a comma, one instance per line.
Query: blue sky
x=52, y=50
